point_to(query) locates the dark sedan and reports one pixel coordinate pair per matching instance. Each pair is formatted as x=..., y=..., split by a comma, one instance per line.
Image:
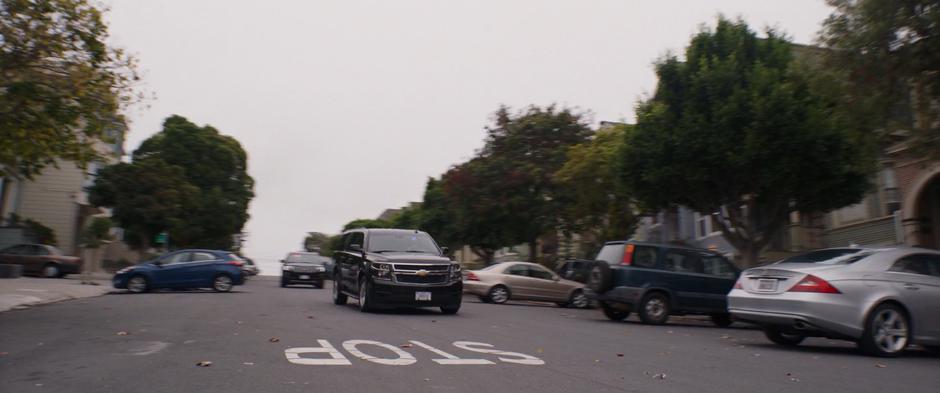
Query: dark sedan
x=219, y=270
x=41, y=259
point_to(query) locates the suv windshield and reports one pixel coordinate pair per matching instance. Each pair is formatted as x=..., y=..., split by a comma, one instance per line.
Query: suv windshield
x=309, y=258
x=402, y=242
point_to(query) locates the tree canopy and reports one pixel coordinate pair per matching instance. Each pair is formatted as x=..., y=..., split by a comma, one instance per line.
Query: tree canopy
x=188, y=180
x=889, y=53
x=62, y=87
x=734, y=129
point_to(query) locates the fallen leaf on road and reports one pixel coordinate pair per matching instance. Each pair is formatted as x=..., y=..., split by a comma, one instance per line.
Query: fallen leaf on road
x=433, y=320
x=597, y=360
x=879, y=365
x=204, y=363
x=309, y=316
x=405, y=345
x=427, y=380
x=274, y=339
x=660, y=376
x=122, y=333
x=725, y=336
x=757, y=355
x=619, y=355
x=248, y=364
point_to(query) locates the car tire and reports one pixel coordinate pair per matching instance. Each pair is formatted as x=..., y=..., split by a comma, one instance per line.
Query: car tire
x=138, y=284
x=485, y=299
x=600, y=277
x=284, y=283
x=498, y=294
x=654, y=308
x=51, y=270
x=578, y=300
x=612, y=313
x=887, y=331
x=222, y=283
x=365, y=296
x=451, y=309
x=722, y=320
x=780, y=338
x=339, y=298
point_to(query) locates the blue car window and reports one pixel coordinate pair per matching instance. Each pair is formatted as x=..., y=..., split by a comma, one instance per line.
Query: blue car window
x=176, y=258
x=202, y=256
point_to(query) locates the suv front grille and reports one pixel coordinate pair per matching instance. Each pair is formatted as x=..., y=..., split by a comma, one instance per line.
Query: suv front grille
x=413, y=267
x=414, y=279
x=417, y=273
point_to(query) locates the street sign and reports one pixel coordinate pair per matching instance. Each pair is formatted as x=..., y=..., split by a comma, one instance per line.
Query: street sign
x=161, y=238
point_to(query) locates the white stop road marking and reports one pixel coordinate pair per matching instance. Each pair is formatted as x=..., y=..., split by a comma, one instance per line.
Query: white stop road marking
x=402, y=358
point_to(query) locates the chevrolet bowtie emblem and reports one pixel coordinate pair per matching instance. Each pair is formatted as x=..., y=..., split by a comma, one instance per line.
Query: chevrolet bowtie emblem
x=422, y=273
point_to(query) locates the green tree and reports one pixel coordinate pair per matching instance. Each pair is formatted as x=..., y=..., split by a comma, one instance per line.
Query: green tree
x=61, y=85
x=735, y=130
x=437, y=216
x=469, y=209
x=315, y=240
x=366, y=223
x=516, y=165
x=214, y=163
x=147, y=197
x=888, y=53
x=408, y=218
x=592, y=199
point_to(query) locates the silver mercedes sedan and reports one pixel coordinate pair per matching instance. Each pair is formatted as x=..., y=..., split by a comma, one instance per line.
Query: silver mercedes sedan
x=882, y=299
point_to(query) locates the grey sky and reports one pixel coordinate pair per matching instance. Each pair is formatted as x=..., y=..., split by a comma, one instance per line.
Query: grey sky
x=347, y=107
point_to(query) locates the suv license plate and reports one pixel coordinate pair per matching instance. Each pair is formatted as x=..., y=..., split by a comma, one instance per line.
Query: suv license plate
x=766, y=285
x=423, y=296
x=304, y=277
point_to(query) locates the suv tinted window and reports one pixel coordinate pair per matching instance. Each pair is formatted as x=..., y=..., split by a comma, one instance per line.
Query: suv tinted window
x=644, y=256
x=402, y=242
x=611, y=253
x=355, y=238
x=682, y=261
x=717, y=266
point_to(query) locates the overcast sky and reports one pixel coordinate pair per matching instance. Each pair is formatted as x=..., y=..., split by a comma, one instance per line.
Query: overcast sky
x=347, y=107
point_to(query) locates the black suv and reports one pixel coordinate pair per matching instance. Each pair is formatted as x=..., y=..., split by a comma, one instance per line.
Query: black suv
x=657, y=281
x=304, y=268
x=395, y=267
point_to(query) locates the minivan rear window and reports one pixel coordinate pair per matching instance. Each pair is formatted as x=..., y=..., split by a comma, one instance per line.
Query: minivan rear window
x=611, y=253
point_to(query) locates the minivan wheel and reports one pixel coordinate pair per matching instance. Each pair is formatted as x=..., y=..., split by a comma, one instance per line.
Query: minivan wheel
x=887, y=331
x=51, y=270
x=222, y=283
x=498, y=294
x=137, y=284
x=614, y=314
x=722, y=320
x=339, y=298
x=780, y=338
x=654, y=309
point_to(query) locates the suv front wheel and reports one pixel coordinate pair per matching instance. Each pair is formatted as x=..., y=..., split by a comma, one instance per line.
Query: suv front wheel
x=654, y=309
x=339, y=298
x=365, y=296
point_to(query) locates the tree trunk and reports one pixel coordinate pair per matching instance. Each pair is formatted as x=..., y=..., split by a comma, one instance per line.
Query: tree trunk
x=750, y=255
x=485, y=254
x=533, y=251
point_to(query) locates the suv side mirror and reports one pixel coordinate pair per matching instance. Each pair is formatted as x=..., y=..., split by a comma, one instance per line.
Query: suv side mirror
x=355, y=247
x=445, y=250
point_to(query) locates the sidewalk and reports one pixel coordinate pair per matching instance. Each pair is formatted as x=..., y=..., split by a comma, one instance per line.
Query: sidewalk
x=16, y=293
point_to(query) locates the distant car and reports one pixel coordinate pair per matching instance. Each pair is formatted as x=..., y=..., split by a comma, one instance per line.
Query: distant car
x=249, y=268
x=304, y=268
x=883, y=299
x=523, y=281
x=41, y=259
x=659, y=280
x=219, y=270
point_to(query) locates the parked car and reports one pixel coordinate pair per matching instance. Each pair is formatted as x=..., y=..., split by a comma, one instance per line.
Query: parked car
x=575, y=270
x=658, y=280
x=523, y=281
x=249, y=268
x=219, y=270
x=41, y=259
x=882, y=299
x=304, y=268
x=395, y=267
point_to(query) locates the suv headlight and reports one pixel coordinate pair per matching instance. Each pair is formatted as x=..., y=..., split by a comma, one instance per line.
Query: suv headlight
x=287, y=268
x=125, y=270
x=455, y=272
x=382, y=271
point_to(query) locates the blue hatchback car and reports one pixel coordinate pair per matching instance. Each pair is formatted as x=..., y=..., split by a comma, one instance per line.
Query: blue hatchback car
x=219, y=270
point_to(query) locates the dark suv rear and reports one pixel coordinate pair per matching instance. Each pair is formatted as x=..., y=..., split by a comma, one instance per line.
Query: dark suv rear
x=395, y=267
x=657, y=281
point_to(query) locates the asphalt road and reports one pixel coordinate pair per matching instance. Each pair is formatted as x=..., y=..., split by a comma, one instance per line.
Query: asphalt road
x=153, y=342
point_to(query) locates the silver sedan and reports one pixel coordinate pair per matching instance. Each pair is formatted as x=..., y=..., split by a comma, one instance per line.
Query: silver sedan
x=883, y=299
